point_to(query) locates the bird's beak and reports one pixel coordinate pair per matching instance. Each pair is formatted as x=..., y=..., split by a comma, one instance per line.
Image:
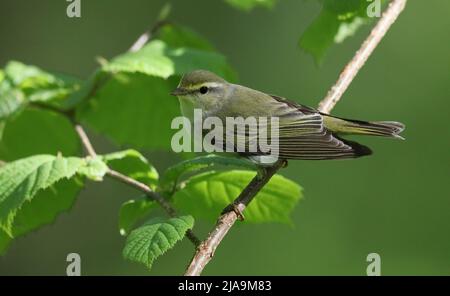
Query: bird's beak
x=179, y=92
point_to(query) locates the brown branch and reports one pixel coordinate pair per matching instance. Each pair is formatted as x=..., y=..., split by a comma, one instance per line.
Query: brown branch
x=147, y=36
x=85, y=140
x=206, y=249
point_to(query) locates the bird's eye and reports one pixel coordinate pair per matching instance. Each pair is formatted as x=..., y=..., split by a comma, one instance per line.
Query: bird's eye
x=203, y=90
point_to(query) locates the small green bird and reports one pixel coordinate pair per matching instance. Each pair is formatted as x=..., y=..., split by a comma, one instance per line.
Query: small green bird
x=304, y=133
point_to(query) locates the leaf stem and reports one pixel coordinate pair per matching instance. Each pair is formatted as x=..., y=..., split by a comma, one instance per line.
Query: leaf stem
x=205, y=251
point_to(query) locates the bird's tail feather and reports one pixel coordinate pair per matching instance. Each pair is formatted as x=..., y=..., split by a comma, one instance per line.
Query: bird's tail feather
x=376, y=128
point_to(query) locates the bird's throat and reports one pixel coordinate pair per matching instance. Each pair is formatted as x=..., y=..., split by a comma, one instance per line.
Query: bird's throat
x=187, y=107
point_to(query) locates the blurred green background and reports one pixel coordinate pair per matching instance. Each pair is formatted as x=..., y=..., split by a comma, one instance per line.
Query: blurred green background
x=395, y=203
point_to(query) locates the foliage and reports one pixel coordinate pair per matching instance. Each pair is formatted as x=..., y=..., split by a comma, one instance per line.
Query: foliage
x=23, y=135
x=155, y=237
x=207, y=194
x=133, y=211
x=23, y=84
x=139, y=89
x=134, y=165
x=29, y=187
x=336, y=21
x=127, y=100
x=247, y=5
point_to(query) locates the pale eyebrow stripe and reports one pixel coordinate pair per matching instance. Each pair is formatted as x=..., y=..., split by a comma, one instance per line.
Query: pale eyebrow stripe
x=207, y=84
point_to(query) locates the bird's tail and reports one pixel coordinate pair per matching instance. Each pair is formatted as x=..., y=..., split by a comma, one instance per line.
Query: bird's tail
x=376, y=128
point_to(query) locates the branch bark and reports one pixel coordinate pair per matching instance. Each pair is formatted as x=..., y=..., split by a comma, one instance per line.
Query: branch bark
x=206, y=249
x=147, y=36
x=85, y=140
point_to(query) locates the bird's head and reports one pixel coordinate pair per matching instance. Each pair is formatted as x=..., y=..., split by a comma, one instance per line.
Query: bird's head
x=201, y=87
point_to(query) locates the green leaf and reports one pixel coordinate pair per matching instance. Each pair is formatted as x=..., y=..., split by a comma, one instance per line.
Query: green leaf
x=42, y=209
x=11, y=101
x=177, y=36
x=250, y=4
x=348, y=29
x=133, y=211
x=150, y=241
x=46, y=205
x=36, y=189
x=94, y=169
x=2, y=128
x=207, y=194
x=20, y=74
x=22, y=179
x=38, y=132
x=39, y=85
x=150, y=60
x=158, y=59
x=173, y=174
x=319, y=36
x=21, y=84
x=348, y=9
x=337, y=21
x=139, y=89
x=141, y=100
x=87, y=88
x=134, y=165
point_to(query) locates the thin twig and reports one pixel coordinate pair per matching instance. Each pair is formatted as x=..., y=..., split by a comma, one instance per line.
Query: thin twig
x=147, y=36
x=85, y=140
x=206, y=249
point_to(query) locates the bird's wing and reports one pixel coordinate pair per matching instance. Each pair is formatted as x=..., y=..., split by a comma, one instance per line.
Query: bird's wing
x=302, y=134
